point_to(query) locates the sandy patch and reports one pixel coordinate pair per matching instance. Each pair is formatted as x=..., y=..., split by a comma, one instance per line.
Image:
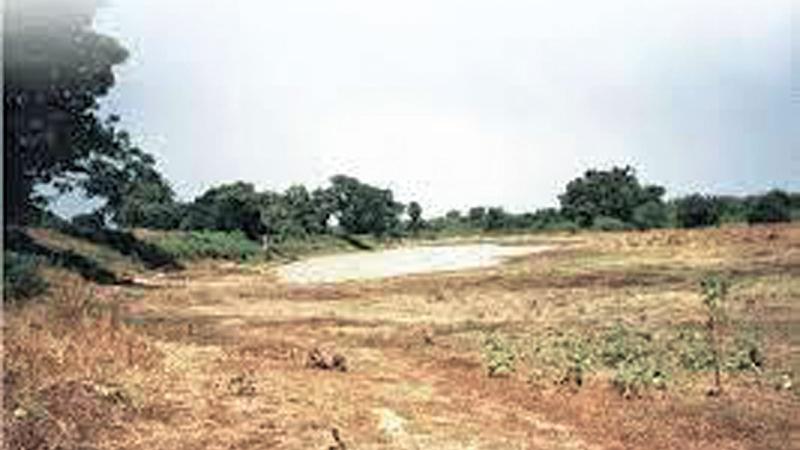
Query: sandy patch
x=404, y=261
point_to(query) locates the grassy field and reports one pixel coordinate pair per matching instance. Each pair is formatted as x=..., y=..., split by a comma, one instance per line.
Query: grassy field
x=602, y=343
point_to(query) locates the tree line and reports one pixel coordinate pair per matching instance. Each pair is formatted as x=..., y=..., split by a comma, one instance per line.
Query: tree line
x=347, y=204
x=607, y=200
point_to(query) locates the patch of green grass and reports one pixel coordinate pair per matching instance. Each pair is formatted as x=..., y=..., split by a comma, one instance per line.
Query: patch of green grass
x=208, y=244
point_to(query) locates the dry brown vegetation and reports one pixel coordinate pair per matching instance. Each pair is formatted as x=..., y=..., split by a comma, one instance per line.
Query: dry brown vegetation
x=217, y=357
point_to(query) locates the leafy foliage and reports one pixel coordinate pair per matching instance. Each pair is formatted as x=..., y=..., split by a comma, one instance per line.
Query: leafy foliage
x=696, y=211
x=633, y=356
x=361, y=208
x=229, y=207
x=715, y=291
x=415, y=222
x=651, y=214
x=55, y=69
x=614, y=193
x=208, y=244
x=773, y=207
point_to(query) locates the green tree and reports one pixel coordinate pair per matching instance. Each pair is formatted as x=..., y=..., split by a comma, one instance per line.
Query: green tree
x=361, y=208
x=696, y=211
x=496, y=219
x=614, y=193
x=55, y=70
x=415, y=217
x=652, y=214
x=136, y=194
x=775, y=206
x=228, y=207
x=308, y=211
x=476, y=216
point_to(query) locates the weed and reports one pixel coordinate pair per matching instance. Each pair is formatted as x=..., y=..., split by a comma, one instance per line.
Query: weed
x=692, y=349
x=634, y=357
x=499, y=356
x=746, y=353
x=564, y=358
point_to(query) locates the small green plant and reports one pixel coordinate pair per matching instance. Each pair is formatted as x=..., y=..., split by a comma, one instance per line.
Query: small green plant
x=499, y=356
x=715, y=291
x=579, y=359
x=564, y=358
x=692, y=349
x=746, y=353
x=633, y=356
x=632, y=377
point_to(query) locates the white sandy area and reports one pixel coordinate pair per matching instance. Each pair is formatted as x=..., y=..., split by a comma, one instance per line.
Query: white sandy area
x=404, y=261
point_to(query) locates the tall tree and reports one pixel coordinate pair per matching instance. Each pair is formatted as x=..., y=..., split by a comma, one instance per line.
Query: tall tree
x=614, y=193
x=228, y=207
x=55, y=70
x=772, y=207
x=414, y=216
x=361, y=208
x=136, y=194
x=697, y=210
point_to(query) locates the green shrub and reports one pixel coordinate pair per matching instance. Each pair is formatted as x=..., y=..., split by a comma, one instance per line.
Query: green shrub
x=209, y=244
x=604, y=223
x=773, y=207
x=21, y=277
x=499, y=356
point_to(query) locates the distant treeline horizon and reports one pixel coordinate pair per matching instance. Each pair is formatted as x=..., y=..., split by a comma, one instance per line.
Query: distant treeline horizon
x=612, y=199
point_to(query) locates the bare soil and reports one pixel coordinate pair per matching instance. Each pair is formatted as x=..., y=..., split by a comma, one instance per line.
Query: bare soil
x=219, y=357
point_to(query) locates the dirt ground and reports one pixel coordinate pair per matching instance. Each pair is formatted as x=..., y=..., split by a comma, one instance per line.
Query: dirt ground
x=217, y=357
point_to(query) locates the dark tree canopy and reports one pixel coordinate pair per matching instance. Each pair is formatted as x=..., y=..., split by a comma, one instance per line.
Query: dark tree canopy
x=775, y=206
x=136, y=194
x=361, y=208
x=228, y=207
x=414, y=216
x=496, y=219
x=55, y=70
x=697, y=210
x=476, y=216
x=614, y=193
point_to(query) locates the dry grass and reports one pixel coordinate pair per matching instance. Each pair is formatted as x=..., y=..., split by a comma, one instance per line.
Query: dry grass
x=215, y=357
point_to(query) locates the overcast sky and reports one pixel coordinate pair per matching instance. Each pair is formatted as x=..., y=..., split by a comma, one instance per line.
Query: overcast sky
x=457, y=103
